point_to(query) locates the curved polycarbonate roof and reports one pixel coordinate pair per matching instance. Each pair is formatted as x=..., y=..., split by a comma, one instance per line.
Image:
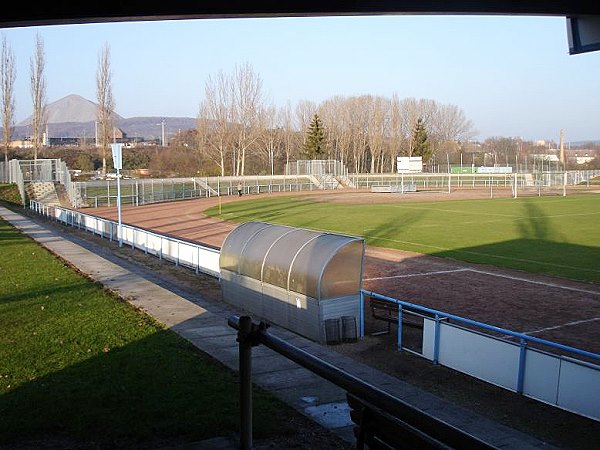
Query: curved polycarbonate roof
x=317, y=264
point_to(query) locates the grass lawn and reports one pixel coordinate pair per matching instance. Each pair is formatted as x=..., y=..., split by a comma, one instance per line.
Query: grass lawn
x=77, y=363
x=552, y=235
x=10, y=193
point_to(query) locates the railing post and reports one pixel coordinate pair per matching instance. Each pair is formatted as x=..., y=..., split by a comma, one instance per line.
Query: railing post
x=198, y=260
x=399, y=327
x=436, y=340
x=521, y=369
x=361, y=320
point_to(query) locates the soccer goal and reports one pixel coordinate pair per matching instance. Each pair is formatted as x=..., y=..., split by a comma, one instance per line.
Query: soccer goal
x=540, y=184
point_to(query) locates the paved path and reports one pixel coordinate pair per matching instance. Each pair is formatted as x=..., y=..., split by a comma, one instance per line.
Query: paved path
x=204, y=323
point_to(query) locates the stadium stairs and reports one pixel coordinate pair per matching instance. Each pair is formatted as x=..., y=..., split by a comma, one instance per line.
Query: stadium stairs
x=48, y=193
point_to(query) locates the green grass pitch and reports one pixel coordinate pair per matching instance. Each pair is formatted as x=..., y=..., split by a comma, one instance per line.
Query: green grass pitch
x=557, y=236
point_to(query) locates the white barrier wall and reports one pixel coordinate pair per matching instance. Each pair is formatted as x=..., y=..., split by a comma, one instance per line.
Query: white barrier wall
x=478, y=355
x=569, y=384
x=188, y=254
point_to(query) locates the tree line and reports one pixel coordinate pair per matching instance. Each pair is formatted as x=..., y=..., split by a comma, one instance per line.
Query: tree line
x=366, y=132
x=239, y=132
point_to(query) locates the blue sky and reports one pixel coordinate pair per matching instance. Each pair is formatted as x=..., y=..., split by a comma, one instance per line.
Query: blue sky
x=512, y=76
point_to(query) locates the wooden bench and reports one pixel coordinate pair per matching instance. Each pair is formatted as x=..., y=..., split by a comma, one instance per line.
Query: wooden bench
x=403, y=426
x=376, y=429
x=388, y=312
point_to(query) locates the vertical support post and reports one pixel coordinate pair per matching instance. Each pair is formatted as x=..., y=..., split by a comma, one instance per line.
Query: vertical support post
x=399, y=327
x=436, y=340
x=245, y=359
x=521, y=369
x=361, y=321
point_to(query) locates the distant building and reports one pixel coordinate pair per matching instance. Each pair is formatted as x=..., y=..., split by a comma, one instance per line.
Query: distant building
x=21, y=143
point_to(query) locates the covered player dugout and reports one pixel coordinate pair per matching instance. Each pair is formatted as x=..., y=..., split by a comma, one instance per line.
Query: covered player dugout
x=293, y=277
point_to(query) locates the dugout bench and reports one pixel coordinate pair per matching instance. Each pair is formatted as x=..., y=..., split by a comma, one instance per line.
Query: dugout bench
x=387, y=311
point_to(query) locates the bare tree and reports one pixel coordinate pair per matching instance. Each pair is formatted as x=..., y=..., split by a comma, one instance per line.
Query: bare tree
x=290, y=134
x=272, y=137
x=378, y=124
x=305, y=110
x=38, y=94
x=8, y=74
x=247, y=110
x=215, y=120
x=106, y=103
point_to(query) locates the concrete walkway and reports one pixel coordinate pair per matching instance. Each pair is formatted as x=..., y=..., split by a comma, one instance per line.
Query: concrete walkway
x=204, y=323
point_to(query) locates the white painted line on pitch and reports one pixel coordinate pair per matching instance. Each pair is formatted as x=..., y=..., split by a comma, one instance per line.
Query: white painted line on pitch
x=542, y=283
x=568, y=324
x=422, y=274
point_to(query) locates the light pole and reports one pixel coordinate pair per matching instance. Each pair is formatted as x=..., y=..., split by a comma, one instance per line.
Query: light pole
x=117, y=152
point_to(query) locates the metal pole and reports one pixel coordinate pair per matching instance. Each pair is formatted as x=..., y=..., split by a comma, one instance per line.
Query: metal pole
x=521, y=368
x=120, y=232
x=399, y=342
x=422, y=420
x=245, y=340
x=362, y=315
x=449, y=171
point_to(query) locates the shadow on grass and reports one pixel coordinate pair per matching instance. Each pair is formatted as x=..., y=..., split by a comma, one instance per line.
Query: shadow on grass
x=63, y=289
x=559, y=259
x=158, y=389
x=537, y=250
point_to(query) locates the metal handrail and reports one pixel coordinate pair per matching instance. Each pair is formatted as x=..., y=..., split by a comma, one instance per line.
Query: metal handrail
x=504, y=331
x=251, y=335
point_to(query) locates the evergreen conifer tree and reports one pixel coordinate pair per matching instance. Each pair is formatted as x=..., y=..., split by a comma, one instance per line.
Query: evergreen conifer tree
x=420, y=142
x=314, y=147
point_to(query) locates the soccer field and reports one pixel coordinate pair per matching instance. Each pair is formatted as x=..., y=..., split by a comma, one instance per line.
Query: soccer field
x=552, y=235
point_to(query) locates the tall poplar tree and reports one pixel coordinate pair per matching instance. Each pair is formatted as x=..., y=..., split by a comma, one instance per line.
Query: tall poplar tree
x=38, y=94
x=106, y=103
x=8, y=75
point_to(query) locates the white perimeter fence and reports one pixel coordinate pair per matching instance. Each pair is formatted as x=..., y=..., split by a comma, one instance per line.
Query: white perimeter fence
x=198, y=257
x=558, y=380
x=142, y=191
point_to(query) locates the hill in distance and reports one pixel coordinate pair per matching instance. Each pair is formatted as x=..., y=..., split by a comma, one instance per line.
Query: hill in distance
x=75, y=116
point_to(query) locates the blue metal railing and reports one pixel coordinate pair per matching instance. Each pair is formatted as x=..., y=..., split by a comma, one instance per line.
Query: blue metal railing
x=440, y=315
